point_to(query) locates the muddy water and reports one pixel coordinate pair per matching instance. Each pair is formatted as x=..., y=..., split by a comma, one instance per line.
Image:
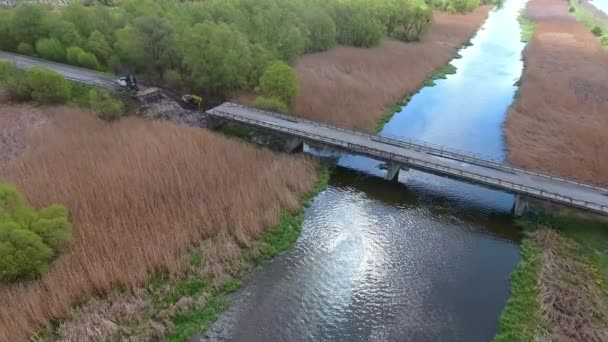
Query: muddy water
x=427, y=259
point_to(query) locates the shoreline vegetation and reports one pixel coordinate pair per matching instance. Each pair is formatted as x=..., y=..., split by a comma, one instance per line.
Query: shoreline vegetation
x=558, y=290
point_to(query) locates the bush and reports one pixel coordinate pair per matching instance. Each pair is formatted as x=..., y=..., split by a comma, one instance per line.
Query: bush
x=272, y=104
x=280, y=81
x=72, y=54
x=12, y=82
x=410, y=20
x=47, y=86
x=571, y=9
x=29, y=239
x=597, y=31
x=88, y=60
x=102, y=102
x=50, y=48
x=25, y=49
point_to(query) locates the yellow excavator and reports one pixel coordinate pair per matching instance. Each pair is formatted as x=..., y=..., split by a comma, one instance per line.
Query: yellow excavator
x=192, y=101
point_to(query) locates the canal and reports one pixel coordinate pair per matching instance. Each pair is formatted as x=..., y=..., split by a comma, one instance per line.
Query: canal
x=427, y=259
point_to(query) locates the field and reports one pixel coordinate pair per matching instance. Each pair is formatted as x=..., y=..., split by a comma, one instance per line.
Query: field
x=354, y=87
x=140, y=193
x=558, y=123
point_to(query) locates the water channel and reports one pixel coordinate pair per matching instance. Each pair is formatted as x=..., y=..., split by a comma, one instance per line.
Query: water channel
x=427, y=259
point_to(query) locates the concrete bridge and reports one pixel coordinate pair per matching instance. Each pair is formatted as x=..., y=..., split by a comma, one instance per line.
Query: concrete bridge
x=442, y=161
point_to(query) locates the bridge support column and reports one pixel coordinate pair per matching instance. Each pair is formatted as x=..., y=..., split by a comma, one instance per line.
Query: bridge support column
x=392, y=172
x=522, y=205
x=214, y=122
x=293, y=145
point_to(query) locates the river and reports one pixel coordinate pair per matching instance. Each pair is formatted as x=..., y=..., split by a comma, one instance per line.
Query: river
x=427, y=259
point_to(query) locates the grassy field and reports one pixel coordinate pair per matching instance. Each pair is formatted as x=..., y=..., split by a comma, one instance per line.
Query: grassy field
x=597, y=26
x=140, y=193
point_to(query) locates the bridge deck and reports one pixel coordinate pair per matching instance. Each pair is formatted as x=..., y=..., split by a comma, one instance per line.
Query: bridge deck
x=441, y=161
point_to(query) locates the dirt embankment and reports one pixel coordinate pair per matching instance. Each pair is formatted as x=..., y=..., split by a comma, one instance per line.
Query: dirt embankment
x=139, y=192
x=353, y=87
x=559, y=122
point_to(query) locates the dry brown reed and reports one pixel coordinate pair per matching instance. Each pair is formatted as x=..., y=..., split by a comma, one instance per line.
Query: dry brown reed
x=140, y=193
x=573, y=306
x=15, y=120
x=559, y=122
x=354, y=87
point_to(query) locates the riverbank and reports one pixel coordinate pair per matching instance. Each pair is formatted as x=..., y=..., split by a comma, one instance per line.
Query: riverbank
x=557, y=123
x=140, y=208
x=559, y=288
x=354, y=87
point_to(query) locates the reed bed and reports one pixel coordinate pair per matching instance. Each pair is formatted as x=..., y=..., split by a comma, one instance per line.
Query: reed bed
x=140, y=194
x=559, y=121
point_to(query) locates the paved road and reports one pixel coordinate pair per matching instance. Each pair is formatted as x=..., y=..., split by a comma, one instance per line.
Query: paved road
x=441, y=161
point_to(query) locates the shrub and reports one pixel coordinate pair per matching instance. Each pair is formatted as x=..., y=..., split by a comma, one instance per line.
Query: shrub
x=596, y=30
x=411, y=19
x=272, y=104
x=98, y=45
x=50, y=48
x=12, y=82
x=88, y=60
x=72, y=54
x=571, y=9
x=279, y=80
x=47, y=86
x=102, y=102
x=25, y=49
x=29, y=239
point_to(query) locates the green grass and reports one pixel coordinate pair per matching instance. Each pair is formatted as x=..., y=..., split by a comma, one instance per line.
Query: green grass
x=527, y=28
x=273, y=241
x=520, y=319
x=591, y=22
x=439, y=74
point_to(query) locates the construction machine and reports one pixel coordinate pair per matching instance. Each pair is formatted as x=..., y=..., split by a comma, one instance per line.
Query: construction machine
x=192, y=101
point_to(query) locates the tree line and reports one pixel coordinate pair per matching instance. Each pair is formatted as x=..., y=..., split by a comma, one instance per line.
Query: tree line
x=211, y=46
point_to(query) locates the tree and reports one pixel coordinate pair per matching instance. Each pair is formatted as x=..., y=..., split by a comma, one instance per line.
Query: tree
x=279, y=81
x=154, y=44
x=27, y=23
x=25, y=49
x=322, y=31
x=88, y=60
x=50, y=48
x=356, y=26
x=72, y=54
x=47, y=86
x=98, y=45
x=64, y=31
x=217, y=57
x=7, y=39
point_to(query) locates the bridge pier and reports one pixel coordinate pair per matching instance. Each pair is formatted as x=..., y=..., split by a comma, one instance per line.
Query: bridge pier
x=293, y=145
x=521, y=206
x=392, y=171
x=214, y=122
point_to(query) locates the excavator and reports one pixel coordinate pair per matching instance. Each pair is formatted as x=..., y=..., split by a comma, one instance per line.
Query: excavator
x=192, y=101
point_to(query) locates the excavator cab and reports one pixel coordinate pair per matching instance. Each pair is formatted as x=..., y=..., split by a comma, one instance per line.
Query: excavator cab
x=192, y=101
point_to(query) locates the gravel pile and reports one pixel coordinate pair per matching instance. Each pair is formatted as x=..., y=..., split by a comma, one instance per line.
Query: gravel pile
x=170, y=110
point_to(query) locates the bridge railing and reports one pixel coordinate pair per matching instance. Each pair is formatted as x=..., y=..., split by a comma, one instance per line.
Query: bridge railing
x=424, y=165
x=439, y=150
